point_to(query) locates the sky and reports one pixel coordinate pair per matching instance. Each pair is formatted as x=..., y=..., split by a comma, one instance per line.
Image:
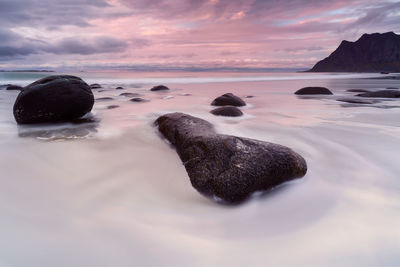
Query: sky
x=101, y=34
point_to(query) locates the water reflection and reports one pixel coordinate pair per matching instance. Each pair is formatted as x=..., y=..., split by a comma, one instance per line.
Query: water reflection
x=81, y=128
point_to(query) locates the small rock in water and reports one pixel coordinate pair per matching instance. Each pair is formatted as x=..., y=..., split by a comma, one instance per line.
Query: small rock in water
x=14, y=87
x=382, y=94
x=356, y=101
x=53, y=99
x=358, y=90
x=159, y=88
x=392, y=88
x=104, y=99
x=228, y=99
x=129, y=94
x=313, y=91
x=119, y=88
x=249, y=96
x=228, y=167
x=227, y=111
x=138, y=99
x=112, y=106
x=95, y=86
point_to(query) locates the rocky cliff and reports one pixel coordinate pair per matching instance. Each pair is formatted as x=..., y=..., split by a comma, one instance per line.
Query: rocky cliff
x=375, y=52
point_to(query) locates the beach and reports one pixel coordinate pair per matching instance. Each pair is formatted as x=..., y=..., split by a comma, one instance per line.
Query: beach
x=113, y=192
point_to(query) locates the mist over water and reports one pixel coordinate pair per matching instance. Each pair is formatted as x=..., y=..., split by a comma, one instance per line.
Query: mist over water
x=112, y=192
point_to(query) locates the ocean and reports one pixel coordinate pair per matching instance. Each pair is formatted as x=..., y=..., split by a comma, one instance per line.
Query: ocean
x=113, y=192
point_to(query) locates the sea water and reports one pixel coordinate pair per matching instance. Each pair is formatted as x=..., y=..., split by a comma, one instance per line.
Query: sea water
x=113, y=192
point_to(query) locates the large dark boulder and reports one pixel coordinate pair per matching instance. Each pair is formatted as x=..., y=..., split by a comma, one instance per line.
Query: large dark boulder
x=228, y=99
x=382, y=94
x=227, y=111
x=228, y=167
x=371, y=53
x=313, y=91
x=159, y=88
x=53, y=99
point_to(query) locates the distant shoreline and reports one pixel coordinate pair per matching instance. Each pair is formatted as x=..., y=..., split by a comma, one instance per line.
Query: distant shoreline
x=26, y=70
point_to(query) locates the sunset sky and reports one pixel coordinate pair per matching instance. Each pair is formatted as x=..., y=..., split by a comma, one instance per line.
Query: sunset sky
x=184, y=33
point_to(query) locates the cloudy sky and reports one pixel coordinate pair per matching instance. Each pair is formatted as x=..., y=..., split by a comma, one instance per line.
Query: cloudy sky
x=184, y=33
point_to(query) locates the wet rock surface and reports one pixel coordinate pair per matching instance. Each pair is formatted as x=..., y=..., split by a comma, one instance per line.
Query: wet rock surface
x=382, y=94
x=159, y=88
x=228, y=99
x=227, y=167
x=313, y=91
x=227, y=111
x=53, y=99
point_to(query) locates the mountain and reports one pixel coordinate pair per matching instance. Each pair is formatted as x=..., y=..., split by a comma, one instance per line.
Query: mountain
x=375, y=52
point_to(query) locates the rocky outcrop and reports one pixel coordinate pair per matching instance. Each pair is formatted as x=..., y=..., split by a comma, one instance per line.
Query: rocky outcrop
x=228, y=99
x=227, y=111
x=15, y=87
x=52, y=99
x=313, y=91
x=228, y=167
x=371, y=53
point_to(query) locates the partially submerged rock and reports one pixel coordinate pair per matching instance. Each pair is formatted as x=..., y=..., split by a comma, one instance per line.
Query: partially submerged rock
x=112, y=107
x=227, y=111
x=138, y=99
x=382, y=94
x=104, y=98
x=313, y=91
x=358, y=90
x=14, y=87
x=119, y=88
x=228, y=99
x=95, y=86
x=129, y=94
x=159, y=88
x=357, y=101
x=53, y=99
x=228, y=167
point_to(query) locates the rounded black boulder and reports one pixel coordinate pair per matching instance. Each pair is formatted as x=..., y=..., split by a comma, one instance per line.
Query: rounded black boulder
x=313, y=91
x=228, y=99
x=53, y=99
x=227, y=111
x=228, y=167
x=159, y=88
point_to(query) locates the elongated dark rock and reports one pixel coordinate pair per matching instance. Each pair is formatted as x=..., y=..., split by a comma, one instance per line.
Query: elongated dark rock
x=382, y=93
x=228, y=167
x=313, y=91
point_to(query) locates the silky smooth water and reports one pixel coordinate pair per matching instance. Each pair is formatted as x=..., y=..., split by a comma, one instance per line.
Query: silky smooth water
x=113, y=192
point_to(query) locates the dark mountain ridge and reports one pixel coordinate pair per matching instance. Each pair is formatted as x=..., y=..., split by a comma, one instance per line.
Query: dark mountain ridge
x=375, y=52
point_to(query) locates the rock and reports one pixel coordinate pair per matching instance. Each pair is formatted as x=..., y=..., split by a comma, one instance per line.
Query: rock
x=119, y=88
x=228, y=111
x=129, y=94
x=159, y=88
x=357, y=90
x=249, y=96
x=356, y=101
x=138, y=99
x=228, y=99
x=104, y=99
x=382, y=94
x=392, y=88
x=371, y=53
x=228, y=167
x=14, y=87
x=95, y=86
x=112, y=106
x=313, y=91
x=53, y=99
